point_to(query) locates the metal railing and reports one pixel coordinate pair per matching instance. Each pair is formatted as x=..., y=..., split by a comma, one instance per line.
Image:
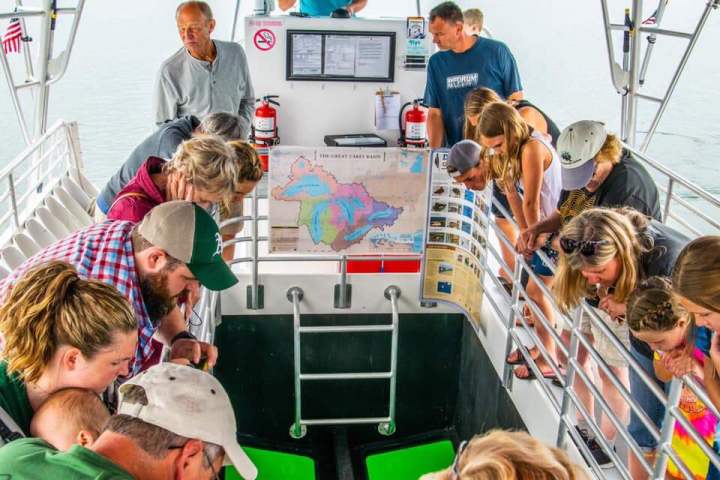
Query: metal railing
x=26, y=180
x=700, y=213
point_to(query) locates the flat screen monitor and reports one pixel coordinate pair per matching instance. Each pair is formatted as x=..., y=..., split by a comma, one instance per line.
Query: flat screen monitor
x=342, y=56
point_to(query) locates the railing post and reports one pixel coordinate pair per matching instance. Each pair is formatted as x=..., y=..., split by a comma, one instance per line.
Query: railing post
x=668, y=426
x=569, y=376
x=295, y=296
x=634, y=79
x=254, y=290
x=392, y=293
x=13, y=200
x=514, y=306
x=668, y=200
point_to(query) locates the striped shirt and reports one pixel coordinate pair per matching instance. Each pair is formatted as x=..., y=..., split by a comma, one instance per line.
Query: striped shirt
x=103, y=252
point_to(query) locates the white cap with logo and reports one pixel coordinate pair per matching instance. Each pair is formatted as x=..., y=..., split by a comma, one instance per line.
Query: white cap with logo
x=577, y=146
x=190, y=403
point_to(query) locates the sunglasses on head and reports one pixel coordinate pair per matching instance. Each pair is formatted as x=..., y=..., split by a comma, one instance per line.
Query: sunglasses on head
x=455, y=466
x=586, y=248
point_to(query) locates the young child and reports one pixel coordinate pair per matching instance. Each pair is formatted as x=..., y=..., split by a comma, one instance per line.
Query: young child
x=473, y=20
x=71, y=416
x=680, y=347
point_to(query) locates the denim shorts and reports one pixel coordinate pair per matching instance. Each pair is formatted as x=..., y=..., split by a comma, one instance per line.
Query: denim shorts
x=645, y=400
x=502, y=200
x=538, y=266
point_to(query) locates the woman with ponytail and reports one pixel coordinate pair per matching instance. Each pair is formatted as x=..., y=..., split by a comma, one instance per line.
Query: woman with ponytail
x=60, y=331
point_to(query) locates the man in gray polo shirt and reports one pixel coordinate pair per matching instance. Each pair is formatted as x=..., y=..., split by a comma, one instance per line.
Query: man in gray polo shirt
x=205, y=75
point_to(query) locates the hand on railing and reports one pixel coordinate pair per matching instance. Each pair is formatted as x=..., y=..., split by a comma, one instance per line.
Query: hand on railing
x=612, y=307
x=680, y=362
x=529, y=240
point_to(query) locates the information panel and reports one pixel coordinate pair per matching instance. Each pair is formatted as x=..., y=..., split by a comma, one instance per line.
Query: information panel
x=350, y=56
x=455, y=249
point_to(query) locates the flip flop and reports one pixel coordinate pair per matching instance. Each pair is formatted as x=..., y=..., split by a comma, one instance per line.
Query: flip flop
x=547, y=375
x=519, y=359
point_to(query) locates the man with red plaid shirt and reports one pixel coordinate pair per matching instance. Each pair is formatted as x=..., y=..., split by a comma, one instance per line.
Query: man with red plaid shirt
x=156, y=264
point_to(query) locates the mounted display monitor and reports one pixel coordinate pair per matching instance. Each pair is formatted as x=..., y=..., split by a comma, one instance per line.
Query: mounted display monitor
x=341, y=56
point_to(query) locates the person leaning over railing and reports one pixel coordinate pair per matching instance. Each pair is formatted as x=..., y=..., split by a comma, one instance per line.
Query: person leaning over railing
x=696, y=280
x=60, y=331
x=475, y=101
x=597, y=172
x=520, y=155
x=604, y=255
x=680, y=347
x=502, y=455
x=173, y=421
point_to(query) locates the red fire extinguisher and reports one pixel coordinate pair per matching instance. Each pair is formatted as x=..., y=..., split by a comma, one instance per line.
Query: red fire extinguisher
x=415, y=132
x=265, y=129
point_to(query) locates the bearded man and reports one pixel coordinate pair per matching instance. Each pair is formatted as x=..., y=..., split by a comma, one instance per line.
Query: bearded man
x=157, y=265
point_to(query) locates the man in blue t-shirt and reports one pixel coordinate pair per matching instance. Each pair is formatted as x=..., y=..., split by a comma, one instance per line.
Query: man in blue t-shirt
x=323, y=8
x=466, y=62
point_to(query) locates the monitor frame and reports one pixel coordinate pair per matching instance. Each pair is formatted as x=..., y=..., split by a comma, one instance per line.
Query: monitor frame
x=337, y=78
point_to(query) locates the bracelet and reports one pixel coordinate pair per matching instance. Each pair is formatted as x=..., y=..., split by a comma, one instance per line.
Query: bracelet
x=182, y=335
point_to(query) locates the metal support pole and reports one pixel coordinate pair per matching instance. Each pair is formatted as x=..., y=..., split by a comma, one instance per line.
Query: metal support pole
x=392, y=293
x=419, y=9
x=71, y=42
x=14, y=97
x=235, y=20
x=295, y=296
x=29, y=72
x=626, y=67
x=569, y=376
x=634, y=79
x=651, y=39
x=618, y=76
x=712, y=4
x=13, y=199
x=46, y=26
x=254, y=288
x=668, y=426
x=668, y=200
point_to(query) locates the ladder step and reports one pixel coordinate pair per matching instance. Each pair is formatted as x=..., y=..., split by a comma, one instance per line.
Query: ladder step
x=347, y=329
x=345, y=376
x=345, y=421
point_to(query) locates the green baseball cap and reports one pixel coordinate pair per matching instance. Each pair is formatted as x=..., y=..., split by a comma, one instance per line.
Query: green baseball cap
x=188, y=233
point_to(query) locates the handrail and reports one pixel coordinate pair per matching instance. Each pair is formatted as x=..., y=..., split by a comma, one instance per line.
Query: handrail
x=295, y=296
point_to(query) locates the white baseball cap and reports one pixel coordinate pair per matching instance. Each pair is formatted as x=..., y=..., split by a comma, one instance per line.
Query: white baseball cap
x=190, y=403
x=577, y=146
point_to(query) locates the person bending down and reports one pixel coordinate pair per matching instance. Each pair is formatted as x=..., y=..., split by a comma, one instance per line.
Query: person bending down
x=71, y=416
x=503, y=455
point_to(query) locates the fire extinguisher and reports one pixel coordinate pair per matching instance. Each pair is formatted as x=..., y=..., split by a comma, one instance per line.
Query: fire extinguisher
x=415, y=132
x=265, y=129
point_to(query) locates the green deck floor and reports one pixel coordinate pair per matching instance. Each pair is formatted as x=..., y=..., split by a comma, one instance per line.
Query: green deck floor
x=274, y=465
x=410, y=463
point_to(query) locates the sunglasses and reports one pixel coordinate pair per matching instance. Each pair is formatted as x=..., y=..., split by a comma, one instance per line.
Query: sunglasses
x=587, y=248
x=455, y=467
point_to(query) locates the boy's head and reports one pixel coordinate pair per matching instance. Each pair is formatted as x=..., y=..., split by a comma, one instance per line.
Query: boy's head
x=70, y=416
x=473, y=19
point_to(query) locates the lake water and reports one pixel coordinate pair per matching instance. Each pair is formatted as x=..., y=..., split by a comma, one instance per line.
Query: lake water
x=559, y=46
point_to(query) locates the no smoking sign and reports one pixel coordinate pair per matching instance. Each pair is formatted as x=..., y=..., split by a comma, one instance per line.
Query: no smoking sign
x=264, y=39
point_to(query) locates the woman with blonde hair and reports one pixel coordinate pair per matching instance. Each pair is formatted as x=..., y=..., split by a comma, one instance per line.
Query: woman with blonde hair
x=203, y=170
x=696, y=282
x=521, y=155
x=475, y=101
x=503, y=455
x=61, y=331
x=604, y=255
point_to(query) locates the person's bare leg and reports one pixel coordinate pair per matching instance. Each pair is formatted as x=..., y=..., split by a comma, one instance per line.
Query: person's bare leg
x=615, y=401
x=637, y=472
x=508, y=254
x=536, y=295
x=579, y=386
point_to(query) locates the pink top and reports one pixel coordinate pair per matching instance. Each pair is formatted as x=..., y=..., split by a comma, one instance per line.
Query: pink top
x=140, y=194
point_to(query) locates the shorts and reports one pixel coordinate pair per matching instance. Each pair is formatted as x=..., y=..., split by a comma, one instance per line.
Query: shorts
x=541, y=268
x=647, y=401
x=235, y=210
x=602, y=343
x=502, y=200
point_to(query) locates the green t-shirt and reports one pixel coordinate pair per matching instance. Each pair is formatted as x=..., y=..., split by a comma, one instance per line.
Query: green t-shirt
x=14, y=399
x=32, y=458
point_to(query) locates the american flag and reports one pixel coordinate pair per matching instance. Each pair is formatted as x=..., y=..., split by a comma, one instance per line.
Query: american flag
x=12, y=37
x=652, y=19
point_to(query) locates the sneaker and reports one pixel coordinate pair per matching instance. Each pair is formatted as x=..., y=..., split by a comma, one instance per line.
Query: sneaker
x=601, y=457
